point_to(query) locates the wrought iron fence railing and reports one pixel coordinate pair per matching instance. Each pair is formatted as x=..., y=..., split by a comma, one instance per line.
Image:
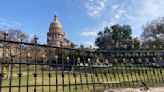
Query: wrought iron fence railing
x=27, y=67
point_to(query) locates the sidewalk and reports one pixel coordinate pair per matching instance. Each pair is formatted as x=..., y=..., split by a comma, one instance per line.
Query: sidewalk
x=157, y=89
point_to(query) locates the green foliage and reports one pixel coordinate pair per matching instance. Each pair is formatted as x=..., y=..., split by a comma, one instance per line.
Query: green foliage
x=103, y=37
x=116, y=37
x=121, y=33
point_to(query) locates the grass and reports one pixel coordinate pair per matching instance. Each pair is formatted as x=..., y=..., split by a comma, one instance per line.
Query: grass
x=129, y=77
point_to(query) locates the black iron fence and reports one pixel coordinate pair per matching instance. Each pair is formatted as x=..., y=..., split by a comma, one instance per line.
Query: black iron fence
x=31, y=67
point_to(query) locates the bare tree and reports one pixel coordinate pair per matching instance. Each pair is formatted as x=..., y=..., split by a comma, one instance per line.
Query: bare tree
x=14, y=35
x=153, y=32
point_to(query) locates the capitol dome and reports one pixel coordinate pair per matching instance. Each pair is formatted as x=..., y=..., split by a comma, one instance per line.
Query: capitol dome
x=55, y=36
x=55, y=26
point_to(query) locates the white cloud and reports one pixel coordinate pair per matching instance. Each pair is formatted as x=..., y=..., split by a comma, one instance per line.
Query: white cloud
x=136, y=36
x=119, y=12
x=5, y=23
x=95, y=7
x=132, y=12
x=151, y=7
x=90, y=43
x=115, y=7
x=31, y=36
x=136, y=13
x=89, y=33
x=94, y=30
x=147, y=10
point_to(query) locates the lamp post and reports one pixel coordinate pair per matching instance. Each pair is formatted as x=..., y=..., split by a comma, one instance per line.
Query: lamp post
x=67, y=62
x=43, y=58
x=5, y=34
x=28, y=57
x=12, y=54
x=35, y=39
x=28, y=63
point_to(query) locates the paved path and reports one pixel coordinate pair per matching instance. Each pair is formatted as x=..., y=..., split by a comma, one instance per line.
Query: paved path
x=157, y=89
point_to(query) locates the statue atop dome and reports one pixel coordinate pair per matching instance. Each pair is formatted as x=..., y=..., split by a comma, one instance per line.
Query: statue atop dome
x=55, y=18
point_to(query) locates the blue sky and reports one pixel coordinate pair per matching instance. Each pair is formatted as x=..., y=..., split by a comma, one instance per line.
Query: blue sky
x=81, y=19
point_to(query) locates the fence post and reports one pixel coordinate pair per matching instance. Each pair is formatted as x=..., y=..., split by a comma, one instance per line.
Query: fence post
x=3, y=60
x=42, y=71
x=56, y=71
x=35, y=64
x=28, y=69
x=68, y=71
x=20, y=70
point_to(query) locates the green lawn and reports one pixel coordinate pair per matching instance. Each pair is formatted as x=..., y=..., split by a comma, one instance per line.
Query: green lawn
x=114, y=76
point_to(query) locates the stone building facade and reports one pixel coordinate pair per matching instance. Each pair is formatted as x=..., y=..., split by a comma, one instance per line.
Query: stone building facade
x=55, y=36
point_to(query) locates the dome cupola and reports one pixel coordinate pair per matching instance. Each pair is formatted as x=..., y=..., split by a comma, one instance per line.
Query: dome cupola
x=56, y=27
x=57, y=23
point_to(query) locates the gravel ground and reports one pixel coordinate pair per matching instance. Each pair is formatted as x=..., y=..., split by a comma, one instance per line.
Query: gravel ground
x=157, y=89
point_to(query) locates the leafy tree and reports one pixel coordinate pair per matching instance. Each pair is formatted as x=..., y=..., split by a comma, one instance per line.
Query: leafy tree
x=153, y=33
x=104, y=39
x=116, y=37
x=136, y=43
x=121, y=33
